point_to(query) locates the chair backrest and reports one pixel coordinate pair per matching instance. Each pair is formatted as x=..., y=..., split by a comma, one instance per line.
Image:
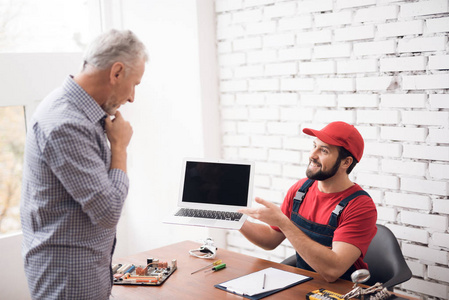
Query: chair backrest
x=385, y=260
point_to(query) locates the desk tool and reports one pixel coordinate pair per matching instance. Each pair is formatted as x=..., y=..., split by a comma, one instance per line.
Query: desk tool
x=376, y=291
x=215, y=263
x=323, y=294
x=217, y=268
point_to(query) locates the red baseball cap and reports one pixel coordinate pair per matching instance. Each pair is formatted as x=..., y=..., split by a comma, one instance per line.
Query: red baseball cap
x=340, y=134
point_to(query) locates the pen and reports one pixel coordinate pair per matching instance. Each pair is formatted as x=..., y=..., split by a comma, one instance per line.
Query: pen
x=264, y=279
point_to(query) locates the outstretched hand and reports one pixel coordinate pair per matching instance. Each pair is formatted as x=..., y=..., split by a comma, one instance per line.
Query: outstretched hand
x=268, y=213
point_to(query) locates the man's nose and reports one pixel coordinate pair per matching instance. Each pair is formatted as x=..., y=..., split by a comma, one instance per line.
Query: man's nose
x=313, y=153
x=131, y=98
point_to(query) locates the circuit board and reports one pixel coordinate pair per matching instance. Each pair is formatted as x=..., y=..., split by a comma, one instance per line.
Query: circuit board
x=151, y=274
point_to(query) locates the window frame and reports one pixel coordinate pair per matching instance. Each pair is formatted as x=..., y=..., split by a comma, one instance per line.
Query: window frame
x=22, y=84
x=27, y=78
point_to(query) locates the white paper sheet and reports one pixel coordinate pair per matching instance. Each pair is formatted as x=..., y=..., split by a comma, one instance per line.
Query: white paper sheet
x=252, y=284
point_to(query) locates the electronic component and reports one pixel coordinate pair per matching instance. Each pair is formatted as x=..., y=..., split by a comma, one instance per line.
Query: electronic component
x=153, y=273
x=323, y=294
x=115, y=268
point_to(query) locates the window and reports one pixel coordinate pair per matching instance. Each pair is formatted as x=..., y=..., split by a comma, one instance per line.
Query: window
x=33, y=35
x=12, y=140
x=43, y=26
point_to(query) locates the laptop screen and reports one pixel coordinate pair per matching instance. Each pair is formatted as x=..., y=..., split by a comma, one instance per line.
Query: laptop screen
x=216, y=183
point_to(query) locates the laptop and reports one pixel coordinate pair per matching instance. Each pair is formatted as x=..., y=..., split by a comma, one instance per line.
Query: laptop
x=212, y=191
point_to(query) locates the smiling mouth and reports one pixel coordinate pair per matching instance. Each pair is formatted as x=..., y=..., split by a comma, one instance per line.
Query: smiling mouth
x=314, y=164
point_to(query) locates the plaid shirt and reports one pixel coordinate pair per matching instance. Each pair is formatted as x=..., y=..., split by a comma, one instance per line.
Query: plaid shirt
x=71, y=200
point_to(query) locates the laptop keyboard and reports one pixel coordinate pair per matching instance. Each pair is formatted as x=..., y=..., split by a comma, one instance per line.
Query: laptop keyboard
x=209, y=214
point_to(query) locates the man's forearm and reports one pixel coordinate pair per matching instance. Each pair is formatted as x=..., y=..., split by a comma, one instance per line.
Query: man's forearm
x=261, y=235
x=119, y=158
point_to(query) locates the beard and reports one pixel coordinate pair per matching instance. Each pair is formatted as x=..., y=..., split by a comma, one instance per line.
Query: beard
x=111, y=105
x=320, y=174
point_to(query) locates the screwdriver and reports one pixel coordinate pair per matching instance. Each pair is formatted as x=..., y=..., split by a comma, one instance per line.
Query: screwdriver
x=215, y=263
x=216, y=268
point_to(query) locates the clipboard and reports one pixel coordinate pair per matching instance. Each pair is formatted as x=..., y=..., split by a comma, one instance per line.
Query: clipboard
x=262, y=283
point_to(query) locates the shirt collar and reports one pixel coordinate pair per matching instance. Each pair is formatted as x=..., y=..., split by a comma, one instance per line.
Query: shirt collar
x=84, y=101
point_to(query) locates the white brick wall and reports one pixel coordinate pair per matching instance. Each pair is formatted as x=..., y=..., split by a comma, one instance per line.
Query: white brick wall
x=374, y=48
x=411, y=234
x=403, y=100
x=439, y=171
x=436, y=222
x=417, y=202
x=399, y=28
x=425, y=254
x=357, y=66
x=424, y=8
x=421, y=44
x=426, y=287
x=414, y=63
x=438, y=25
x=382, y=65
x=379, y=14
x=423, y=82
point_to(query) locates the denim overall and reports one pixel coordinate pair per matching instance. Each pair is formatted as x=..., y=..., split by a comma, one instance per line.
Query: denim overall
x=320, y=233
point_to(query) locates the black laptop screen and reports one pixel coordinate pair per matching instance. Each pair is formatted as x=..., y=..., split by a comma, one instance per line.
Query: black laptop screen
x=216, y=183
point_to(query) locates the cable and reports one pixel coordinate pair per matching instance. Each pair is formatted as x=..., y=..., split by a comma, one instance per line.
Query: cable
x=207, y=251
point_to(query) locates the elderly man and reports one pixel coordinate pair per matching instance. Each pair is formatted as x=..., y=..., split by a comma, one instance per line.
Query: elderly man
x=74, y=183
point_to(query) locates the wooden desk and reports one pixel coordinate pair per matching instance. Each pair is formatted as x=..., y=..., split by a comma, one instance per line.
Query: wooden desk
x=182, y=285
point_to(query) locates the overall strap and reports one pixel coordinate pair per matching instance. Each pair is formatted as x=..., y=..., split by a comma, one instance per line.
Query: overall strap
x=301, y=193
x=340, y=206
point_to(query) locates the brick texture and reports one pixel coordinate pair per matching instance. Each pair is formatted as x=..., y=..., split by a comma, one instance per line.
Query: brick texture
x=380, y=65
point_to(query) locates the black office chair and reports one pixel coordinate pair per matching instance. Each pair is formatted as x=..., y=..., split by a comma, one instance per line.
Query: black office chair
x=291, y=261
x=384, y=258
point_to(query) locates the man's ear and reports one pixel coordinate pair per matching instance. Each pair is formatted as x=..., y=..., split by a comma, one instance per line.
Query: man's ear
x=117, y=72
x=346, y=163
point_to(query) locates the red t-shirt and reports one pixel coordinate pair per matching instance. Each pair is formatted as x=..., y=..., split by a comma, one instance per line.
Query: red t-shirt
x=356, y=224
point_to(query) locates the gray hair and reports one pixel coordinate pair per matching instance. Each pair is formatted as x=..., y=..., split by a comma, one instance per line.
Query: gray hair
x=115, y=46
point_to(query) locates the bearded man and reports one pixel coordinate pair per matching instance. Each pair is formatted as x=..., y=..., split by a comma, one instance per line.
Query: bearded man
x=329, y=220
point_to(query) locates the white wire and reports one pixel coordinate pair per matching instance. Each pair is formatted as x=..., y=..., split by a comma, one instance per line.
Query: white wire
x=204, y=255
